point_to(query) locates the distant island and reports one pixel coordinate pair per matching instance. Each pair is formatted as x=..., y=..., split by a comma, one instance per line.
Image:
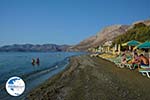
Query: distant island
x=33, y=48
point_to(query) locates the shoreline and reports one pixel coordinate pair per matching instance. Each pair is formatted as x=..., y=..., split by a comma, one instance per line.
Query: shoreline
x=39, y=76
x=87, y=78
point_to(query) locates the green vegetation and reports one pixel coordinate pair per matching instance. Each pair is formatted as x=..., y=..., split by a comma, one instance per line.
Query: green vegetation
x=139, y=32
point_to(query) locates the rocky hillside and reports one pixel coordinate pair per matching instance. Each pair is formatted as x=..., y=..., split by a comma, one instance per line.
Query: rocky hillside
x=107, y=34
x=146, y=22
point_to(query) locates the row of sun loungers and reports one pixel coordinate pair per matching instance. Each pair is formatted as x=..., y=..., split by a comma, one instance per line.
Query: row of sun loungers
x=144, y=70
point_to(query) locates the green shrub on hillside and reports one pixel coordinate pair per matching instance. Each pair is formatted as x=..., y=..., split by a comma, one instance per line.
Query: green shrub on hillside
x=139, y=32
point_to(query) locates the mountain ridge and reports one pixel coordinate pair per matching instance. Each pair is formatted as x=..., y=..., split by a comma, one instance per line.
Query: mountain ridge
x=34, y=47
x=106, y=34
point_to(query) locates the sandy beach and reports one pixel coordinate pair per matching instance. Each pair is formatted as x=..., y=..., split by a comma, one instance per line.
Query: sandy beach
x=93, y=78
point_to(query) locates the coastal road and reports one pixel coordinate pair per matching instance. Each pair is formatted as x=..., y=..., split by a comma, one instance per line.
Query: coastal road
x=93, y=78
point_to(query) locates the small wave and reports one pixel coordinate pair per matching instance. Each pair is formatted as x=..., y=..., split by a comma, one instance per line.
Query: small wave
x=37, y=73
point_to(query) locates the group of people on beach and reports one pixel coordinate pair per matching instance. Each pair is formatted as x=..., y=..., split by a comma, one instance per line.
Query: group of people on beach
x=37, y=61
x=136, y=60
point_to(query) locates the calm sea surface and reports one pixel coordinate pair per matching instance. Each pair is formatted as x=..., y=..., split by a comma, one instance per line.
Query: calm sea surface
x=19, y=64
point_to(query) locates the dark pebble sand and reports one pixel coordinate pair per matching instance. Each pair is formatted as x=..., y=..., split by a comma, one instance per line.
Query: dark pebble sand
x=93, y=78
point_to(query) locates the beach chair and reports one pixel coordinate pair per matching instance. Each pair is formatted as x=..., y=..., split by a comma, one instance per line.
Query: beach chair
x=118, y=63
x=131, y=66
x=128, y=65
x=115, y=60
x=145, y=70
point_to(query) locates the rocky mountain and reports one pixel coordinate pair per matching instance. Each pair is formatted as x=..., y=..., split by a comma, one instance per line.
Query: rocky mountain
x=107, y=34
x=146, y=22
x=35, y=48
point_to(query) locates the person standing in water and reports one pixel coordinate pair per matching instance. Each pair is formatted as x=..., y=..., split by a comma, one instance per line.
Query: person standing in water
x=38, y=61
x=33, y=61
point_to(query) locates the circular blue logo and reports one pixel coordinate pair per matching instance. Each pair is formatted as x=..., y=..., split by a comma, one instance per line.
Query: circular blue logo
x=15, y=86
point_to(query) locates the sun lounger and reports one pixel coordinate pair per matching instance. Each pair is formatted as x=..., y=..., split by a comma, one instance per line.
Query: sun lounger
x=144, y=66
x=145, y=70
x=128, y=65
x=131, y=66
x=118, y=63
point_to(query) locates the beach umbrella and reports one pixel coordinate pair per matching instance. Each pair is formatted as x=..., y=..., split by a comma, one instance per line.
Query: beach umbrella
x=124, y=44
x=145, y=45
x=131, y=43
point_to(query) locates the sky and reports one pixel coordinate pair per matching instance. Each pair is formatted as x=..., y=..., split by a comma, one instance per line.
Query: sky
x=64, y=21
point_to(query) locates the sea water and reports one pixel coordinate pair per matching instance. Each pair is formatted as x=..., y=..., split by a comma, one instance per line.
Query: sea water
x=19, y=64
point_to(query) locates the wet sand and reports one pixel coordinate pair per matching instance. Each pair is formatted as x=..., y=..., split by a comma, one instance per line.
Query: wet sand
x=94, y=78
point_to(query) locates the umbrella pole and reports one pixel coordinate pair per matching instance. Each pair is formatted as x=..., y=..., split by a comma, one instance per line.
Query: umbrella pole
x=149, y=56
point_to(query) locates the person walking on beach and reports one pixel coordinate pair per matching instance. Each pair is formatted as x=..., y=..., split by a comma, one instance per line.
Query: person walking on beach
x=38, y=61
